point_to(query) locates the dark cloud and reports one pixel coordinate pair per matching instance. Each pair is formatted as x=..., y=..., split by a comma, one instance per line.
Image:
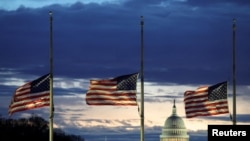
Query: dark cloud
x=81, y=31
x=91, y=40
x=141, y=3
x=151, y=134
x=216, y=2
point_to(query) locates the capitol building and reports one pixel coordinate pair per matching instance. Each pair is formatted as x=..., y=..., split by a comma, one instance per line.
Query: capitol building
x=174, y=128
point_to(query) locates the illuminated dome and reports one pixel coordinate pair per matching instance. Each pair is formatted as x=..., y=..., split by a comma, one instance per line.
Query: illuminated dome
x=174, y=128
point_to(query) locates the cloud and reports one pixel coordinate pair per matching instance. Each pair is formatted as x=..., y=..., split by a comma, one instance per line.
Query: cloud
x=15, y=4
x=82, y=35
x=216, y=2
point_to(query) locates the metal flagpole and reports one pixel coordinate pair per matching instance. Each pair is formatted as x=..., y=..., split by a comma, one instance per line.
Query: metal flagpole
x=51, y=82
x=142, y=83
x=234, y=72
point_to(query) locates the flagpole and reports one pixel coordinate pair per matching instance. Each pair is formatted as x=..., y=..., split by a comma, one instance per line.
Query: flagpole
x=234, y=73
x=51, y=82
x=142, y=83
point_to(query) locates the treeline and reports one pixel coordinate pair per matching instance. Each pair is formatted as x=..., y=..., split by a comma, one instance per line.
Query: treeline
x=31, y=129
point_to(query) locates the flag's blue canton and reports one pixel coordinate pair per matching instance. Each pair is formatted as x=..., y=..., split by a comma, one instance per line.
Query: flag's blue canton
x=127, y=82
x=217, y=92
x=41, y=84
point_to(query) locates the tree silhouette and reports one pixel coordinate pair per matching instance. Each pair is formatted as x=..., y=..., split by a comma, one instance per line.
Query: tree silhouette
x=32, y=129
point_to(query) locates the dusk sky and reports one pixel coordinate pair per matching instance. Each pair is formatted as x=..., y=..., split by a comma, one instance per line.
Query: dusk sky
x=187, y=44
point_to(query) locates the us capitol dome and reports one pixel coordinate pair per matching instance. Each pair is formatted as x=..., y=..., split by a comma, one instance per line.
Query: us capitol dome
x=174, y=128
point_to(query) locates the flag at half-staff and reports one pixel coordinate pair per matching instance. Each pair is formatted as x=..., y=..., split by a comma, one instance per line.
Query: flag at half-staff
x=117, y=91
x=206, y=101
x=34, y=94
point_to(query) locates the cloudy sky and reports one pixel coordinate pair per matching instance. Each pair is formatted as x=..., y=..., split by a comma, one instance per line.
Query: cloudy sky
x=187, y=44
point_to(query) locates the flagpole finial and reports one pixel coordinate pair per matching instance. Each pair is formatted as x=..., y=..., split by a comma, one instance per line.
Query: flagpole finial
x=234, y=20
x=50, y=14
x=142, y=20
x=234, y=23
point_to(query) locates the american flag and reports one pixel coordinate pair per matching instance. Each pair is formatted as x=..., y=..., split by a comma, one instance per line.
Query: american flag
x=206, y=101
x=34, y=94
x=118, y=91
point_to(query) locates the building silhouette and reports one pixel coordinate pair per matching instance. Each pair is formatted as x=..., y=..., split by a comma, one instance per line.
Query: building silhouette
x=174, y=128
